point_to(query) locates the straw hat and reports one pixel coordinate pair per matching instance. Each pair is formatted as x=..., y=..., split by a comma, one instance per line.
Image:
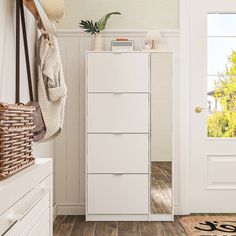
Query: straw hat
x=49, y=12
x=54, y=9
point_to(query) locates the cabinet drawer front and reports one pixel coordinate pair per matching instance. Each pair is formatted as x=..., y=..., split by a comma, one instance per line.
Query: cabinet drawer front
x=126, y=153
x=125, y=113
x=20, y=215
x=26, y=222
x=41, y=228
x=126, y=72
x=117, y=194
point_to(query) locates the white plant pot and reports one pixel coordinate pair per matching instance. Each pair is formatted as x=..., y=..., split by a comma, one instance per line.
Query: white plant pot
x=98, y=43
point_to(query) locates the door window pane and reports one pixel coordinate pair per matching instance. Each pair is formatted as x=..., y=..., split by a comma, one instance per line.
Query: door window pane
x=221, y=82
x=220, y=50
x=221, y=25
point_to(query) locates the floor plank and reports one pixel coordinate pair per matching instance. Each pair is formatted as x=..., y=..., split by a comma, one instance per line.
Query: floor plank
x=173, y=228
x=129, y=228
x=106, y=229
x=57, y=223
x=63, y=225
x=151, y=229
x=80, y=228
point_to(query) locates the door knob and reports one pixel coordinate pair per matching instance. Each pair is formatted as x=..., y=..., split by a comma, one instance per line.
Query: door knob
x=199, y=109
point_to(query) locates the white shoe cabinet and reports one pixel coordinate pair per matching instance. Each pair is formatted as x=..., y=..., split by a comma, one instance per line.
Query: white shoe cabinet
x=118, y=136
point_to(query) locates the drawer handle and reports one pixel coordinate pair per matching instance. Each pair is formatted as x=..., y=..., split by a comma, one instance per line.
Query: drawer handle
x=118, y=173
x=117, y=53
x=14, y=218
x=117, y=93
x=117, y=133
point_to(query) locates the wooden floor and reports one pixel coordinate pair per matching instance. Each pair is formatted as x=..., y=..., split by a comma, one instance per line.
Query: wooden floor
x=76, y=226
x=161, y=188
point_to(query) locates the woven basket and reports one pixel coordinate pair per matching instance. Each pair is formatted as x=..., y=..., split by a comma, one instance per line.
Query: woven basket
x=16, y=138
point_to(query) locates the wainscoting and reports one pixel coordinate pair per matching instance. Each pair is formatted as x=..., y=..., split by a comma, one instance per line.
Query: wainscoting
x=70, y=146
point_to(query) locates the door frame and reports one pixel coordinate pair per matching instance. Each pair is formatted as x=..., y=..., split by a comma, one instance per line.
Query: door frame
x=184, y=109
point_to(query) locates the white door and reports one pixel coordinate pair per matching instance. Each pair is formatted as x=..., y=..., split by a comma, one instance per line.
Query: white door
x=213, y=87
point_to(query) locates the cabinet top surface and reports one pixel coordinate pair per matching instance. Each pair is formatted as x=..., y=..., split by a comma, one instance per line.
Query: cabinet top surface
x=121, y=52
x=40, y=163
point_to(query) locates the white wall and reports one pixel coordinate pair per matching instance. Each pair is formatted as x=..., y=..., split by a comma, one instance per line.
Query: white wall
x=136, y=14
x=7, y=62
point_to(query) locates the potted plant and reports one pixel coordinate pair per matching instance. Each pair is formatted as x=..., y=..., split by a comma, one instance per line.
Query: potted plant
x=95, y=28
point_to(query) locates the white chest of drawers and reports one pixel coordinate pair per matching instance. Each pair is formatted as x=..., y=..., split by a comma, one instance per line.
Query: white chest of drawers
x=118, y=128
x=26, y=202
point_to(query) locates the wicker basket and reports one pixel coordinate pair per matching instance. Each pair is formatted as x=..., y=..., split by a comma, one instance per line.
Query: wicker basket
x=16, y=138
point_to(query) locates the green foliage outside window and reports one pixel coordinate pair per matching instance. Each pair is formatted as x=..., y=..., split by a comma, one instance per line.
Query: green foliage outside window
x=222, y=124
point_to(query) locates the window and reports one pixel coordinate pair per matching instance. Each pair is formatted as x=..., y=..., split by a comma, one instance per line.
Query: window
x=221, y=83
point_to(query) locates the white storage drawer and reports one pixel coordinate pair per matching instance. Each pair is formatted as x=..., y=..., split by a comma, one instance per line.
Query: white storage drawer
x=42, y=226
x=122, y=72
x=115, y=153
x=23, y=215
x=26, y=201
x=122, y=113
x=118, y=194
x=25, y=218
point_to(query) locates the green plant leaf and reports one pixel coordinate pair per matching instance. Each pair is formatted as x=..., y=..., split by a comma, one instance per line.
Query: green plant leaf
x=103, y=21
x=96, y=27
x=89, y=26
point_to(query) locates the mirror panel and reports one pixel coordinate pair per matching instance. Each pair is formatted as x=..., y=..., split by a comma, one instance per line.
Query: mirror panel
x=161, y=133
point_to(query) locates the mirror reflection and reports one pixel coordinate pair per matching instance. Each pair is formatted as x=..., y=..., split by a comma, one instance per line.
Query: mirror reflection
x=161, y=133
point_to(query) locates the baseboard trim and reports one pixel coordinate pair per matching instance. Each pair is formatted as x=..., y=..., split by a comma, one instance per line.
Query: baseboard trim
x=161, y=217
x=54, y=212
x=178, y=210
x=117, y=217
x=80, y=210
x=70, y=209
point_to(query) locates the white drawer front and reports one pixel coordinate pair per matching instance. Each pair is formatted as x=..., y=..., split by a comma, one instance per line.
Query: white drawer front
x=24, y=213
x=14, y=188
x=126, y=153
x=117, y=194
x=125, y=113
x=125, y=72
x=41, y=228
x=26, y=220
